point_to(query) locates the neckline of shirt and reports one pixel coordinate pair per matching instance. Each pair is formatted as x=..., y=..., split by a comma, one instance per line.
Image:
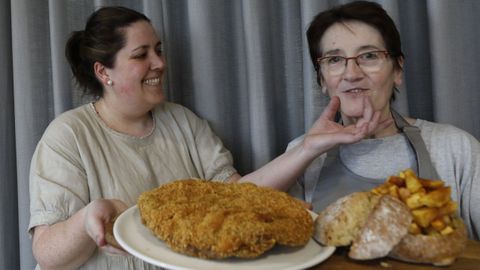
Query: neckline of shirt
x=131, y=138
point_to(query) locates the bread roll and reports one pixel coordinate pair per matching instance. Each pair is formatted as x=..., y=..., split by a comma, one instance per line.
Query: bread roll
x=407, y=218
x=439, y=250
x=341, y=222
x=386, y=225
x=377, y=225
x=372, y=223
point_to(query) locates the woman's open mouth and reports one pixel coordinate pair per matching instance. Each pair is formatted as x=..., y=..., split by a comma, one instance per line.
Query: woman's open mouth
x=152, y=81
x=356, y=90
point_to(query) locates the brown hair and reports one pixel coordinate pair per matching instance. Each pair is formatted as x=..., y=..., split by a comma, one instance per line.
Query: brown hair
x=99, y=42
x=363, y=11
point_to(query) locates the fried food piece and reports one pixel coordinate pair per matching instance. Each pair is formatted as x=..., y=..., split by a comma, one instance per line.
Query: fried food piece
x=219, y=220
x=428, y=200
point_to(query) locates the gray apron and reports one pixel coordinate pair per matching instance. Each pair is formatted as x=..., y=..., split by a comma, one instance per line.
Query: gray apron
x=335, y=176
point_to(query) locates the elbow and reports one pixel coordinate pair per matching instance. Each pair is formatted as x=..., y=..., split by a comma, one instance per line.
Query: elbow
x=36, y=247
x=40, y=257
x=40, y=250
x=39, y=253
x=45, y=262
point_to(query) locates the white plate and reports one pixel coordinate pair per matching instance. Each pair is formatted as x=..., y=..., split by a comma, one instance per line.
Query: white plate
x=137, y=239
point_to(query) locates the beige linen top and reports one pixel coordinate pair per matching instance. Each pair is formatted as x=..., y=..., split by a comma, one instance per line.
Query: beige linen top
x=80, y=159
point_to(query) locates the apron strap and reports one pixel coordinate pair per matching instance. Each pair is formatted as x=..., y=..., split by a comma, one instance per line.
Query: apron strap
x=424, y=163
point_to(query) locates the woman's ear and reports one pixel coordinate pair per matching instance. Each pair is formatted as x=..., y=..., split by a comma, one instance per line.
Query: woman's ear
x=101, y=73
x=322, y=84
x=398, y=72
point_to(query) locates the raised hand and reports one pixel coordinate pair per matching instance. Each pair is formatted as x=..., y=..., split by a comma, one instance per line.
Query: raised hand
x=325, y=133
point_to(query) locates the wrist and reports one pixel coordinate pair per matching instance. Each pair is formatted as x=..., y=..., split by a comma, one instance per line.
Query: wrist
x=307, y=151
x=311, y=149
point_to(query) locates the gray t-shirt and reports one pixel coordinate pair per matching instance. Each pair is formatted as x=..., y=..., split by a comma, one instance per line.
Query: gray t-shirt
x=80, y=159
x=454, y=154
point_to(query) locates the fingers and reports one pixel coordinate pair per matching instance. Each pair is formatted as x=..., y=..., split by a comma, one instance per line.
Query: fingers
x=385, y=123
x=113, y=250
x=95, y=229
x=99, y=216
x=372, y=124
x=109, y=237
x=331, y=108
x=348, y=134
x=367, y=113
x=327, y=116
x=371, y=118
x=112, y=246
x=120, y=206
x=357, y=133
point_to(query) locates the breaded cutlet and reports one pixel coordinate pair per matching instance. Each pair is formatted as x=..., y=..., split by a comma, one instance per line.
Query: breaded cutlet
x=219, y=220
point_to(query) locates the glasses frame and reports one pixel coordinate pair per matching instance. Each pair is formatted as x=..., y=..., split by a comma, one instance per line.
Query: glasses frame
x=320, y=59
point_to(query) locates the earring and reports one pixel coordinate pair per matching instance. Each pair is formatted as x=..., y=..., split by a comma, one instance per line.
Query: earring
x=109, y=82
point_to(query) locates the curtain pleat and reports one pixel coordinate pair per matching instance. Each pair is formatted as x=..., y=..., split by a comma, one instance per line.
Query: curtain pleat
x=61, y=76
x=33, y=103
x=241, y=65
x=455, y=62
x=9, y=233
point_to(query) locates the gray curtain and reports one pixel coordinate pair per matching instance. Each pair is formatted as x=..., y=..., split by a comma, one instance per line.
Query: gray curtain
x=243, y=65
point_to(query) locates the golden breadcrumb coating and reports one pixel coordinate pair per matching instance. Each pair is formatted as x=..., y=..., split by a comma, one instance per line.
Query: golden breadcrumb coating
x=219, y=220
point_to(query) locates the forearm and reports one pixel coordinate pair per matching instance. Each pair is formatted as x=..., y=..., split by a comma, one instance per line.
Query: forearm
x=282, y=172
x=64, y=245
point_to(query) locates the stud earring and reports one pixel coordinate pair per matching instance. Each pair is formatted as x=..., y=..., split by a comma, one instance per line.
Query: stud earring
x=324, y=90
x=109, y=82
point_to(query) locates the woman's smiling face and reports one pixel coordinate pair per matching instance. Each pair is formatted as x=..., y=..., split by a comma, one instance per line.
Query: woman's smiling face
x=350, y=39
x=139, y=68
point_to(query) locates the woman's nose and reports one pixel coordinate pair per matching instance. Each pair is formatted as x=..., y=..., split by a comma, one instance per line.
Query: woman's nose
x=352, y=70
x=157, y=62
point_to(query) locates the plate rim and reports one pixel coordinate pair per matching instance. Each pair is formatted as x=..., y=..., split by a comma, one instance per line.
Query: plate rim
x=325, y=253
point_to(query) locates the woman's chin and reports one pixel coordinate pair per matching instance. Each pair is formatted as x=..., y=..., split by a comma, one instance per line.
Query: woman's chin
x=352, y=113
x=158, y=98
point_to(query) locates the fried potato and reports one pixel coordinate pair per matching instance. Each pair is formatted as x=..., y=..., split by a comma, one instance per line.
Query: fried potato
x=424, y=216
x=436, y=198
x=403, y=194
x=218, y=220
x=414, y=201
x=431, y=184
x=428, y=200
x=396, y=180
x=438, y=224
x=412, y=182
x=448, y=209
x=414, y=229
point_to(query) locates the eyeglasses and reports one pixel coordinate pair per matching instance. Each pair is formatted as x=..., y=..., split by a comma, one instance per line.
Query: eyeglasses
x=369, y=62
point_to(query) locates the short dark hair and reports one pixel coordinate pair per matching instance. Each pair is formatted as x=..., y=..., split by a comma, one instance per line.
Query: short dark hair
x=363, y=11
x=100, y=41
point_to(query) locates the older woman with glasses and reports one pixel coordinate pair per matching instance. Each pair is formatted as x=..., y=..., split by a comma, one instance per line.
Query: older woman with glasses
x=356, y=51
